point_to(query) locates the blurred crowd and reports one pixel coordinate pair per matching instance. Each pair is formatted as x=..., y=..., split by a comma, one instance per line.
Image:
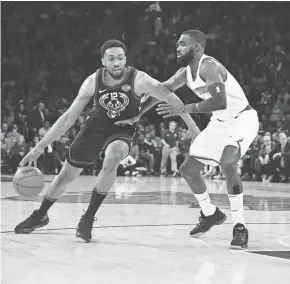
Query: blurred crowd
x=49, y=48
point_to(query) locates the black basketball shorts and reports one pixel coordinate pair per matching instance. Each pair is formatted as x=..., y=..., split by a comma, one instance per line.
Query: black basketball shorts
x=91, y=143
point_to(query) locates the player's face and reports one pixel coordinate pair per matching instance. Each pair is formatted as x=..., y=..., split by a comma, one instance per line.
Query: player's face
x=184, y=50
x=115, y=61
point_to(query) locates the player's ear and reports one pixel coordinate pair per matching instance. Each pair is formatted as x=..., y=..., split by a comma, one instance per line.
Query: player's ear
x=103, y=61
x=198, y=47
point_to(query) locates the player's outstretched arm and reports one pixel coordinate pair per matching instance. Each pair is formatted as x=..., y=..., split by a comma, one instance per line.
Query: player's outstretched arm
x=65, y=122
x=173, y=83
x=146, y=84
x=212, y=72
x=162, y=92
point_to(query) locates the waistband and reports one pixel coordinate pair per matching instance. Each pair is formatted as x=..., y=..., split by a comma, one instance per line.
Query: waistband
x=248, y=107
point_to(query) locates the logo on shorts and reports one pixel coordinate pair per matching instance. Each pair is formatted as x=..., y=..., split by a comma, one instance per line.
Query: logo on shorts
x=126, y=88
x=114, y=102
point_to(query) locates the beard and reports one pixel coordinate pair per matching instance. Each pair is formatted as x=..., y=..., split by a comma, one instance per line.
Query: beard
x=116, y=76
x=184, y=60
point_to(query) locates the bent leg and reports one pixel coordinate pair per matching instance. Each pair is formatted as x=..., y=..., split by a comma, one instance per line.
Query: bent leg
x=67, y=175
x=114, y=154
x=190, y=170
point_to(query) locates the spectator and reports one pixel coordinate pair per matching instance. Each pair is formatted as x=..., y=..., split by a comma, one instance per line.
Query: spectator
x=249, y=164
x=145, y=155
x=40, y=160
x=280, y=157
x=169, y=149
x=61, y=151
x=162, y=130
x=154, y=149
x=36, y=118
x=183, y=147
x=5, y=149
x=264, y=157
x=156, y=139
x=17, y=151
x=127, y=166
x=286, y=124
x=4, y=128
x=43, y=130
x=275, y=138
x=12, y=137
x=72, y=134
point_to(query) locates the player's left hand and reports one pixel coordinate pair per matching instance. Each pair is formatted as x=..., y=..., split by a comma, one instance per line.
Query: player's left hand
x=129, y=121
x=167, y=110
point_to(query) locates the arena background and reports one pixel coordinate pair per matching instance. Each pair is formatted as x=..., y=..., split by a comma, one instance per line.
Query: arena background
x=49, y=48
x=142, y=232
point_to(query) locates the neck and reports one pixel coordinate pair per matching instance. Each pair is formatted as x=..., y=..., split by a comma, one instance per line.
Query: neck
x=111, y=81
x=194, y=62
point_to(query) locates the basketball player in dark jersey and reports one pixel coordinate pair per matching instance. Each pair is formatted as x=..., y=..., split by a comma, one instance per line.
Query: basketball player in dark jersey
x=117, y=90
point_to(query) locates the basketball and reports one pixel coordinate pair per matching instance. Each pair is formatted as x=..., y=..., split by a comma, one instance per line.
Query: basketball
x=28, y=181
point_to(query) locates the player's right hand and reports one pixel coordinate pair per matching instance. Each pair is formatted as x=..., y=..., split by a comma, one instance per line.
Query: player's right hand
x=31, y=157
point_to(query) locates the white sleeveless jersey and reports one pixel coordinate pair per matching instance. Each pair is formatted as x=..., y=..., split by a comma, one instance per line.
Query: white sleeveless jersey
x=236, y=99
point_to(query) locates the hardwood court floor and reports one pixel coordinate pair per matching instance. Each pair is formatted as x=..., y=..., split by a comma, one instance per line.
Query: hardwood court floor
x=142, y=236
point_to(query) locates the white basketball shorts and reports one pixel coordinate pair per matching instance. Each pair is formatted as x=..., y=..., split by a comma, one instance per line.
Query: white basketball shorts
x=209, y=145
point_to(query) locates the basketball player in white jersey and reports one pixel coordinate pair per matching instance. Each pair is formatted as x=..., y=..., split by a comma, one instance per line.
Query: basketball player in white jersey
x=233, y=127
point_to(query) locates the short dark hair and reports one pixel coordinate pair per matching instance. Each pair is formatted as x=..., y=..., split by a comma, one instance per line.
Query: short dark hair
x=112, y=43
x=197, y=35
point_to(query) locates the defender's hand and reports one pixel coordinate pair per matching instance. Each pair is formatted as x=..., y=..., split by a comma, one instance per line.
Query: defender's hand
x=129, y=121
x=167, y=110
x=31, y=157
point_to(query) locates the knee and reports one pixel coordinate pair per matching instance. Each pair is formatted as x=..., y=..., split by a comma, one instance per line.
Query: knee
x=187, y=170
x=112, y=161
x=229, y=166
x=65, y=177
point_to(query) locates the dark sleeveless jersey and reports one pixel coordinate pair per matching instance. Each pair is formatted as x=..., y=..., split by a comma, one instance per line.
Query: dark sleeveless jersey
x=116, y=103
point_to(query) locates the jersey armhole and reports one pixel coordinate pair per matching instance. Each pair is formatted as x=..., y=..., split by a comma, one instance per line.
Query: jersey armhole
x=97, y=81
x=133, y=83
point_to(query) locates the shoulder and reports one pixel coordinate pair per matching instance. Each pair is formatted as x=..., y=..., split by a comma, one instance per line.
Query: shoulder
x=142, y=82
x=210, y=65
x=141, y=77
x=88, y=86
x=212, y=69
x=91, y=79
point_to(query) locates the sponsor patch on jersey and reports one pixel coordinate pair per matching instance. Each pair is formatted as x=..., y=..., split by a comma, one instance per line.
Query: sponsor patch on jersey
x=126, y=88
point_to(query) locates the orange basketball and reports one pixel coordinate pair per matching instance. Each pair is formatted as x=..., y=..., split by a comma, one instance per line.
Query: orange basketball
x=28, y=181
